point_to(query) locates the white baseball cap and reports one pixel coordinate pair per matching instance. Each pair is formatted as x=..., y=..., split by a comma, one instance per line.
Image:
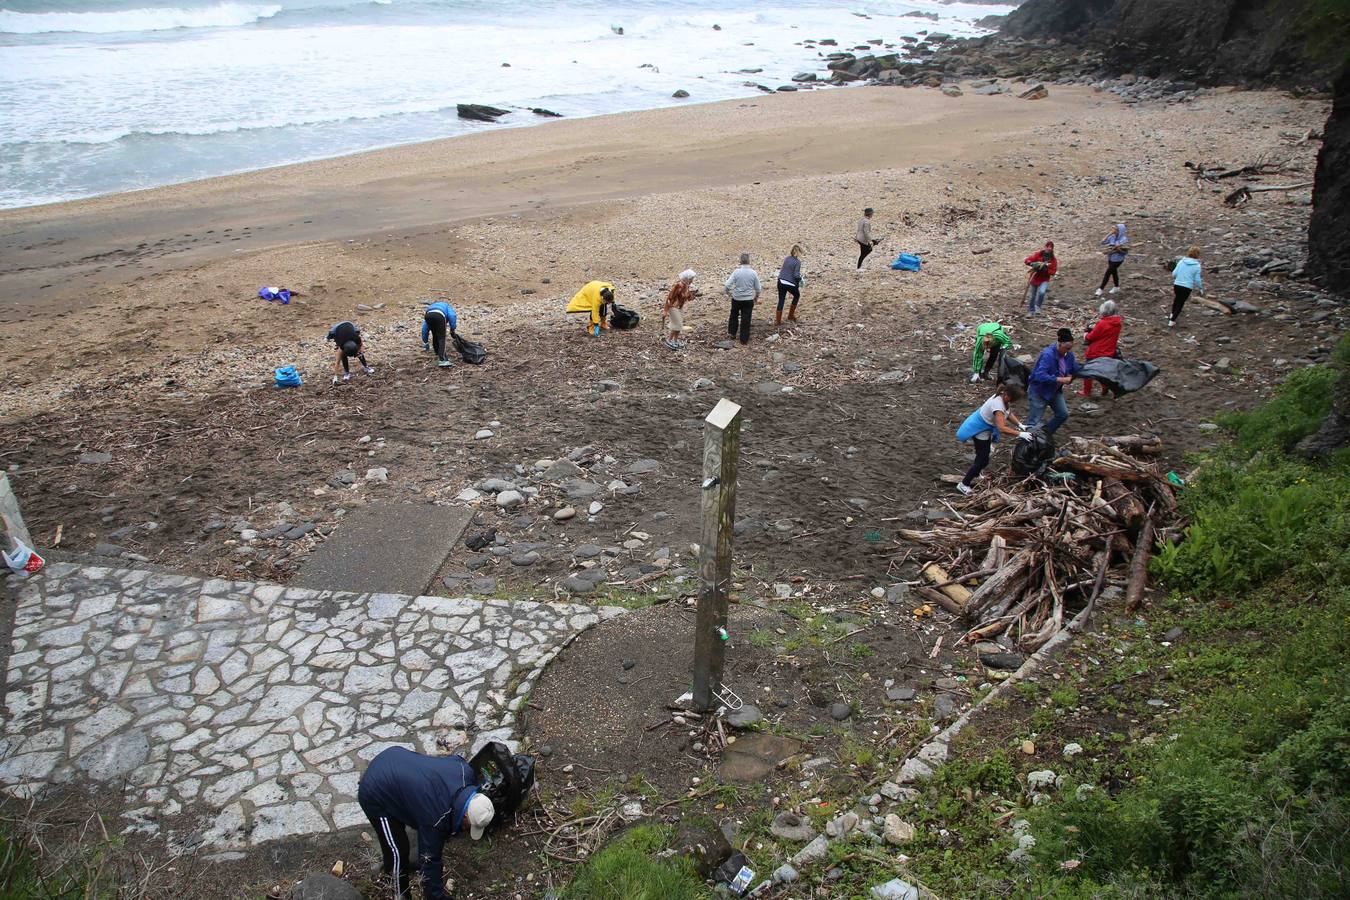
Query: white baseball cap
x=479, y=814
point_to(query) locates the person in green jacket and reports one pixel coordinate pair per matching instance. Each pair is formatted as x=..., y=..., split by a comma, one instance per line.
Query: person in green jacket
x=990, y=342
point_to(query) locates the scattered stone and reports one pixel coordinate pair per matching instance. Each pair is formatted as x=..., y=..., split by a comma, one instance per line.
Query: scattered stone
x=680, y=94
x=483, y=585
x=1173, y=633
x=944, y=707
x=109, y=550
x=895, y=889
x=914, y=770
x=702, y=384
x=812, y=853
x=900, y=694
x=1005, y=661
x=510, y=499
x=528, y=558
x=482, y=434
x=840, y=711
x=378, y=475
x=1039, y=92
x=791, y=827
x=595, y=507
x=891, y=791
x=897, y=593
x=951, y=90
x=1029, y=748
x=95, y=458
x=563, y=469
x=562, y=515
x=897, y=831
x=785, y=874
x=606, y=385
x=895, y=376
x=479, y=113
x=324, y=887
x=746, y=717
x=643, y=467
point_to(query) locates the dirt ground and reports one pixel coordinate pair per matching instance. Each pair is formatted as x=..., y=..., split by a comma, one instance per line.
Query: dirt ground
x=849, y=417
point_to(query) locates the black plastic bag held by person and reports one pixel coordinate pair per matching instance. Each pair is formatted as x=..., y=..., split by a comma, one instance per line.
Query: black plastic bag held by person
x=1012, y=370
x=1121, y=376
x=623, y=318
x=504, y=777
x=1031, y=457
x=472, y=353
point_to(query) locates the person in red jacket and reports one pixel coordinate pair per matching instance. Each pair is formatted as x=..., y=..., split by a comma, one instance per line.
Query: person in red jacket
x=1101, y=340
x=1043, y=266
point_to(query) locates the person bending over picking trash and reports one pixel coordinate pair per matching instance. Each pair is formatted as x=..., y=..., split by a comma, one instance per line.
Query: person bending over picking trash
x=743, y=287
x=349, y=344
x=1055, y=367
x=436, y=795
x=440, y=317
x=681, y=292
x=990, y=343
x=1043, y=266
x=593, y=298
x=983, y=427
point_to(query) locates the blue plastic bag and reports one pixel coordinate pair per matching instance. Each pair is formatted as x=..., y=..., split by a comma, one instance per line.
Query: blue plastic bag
x=907, y=262
x=271, y=293
x=287, y=376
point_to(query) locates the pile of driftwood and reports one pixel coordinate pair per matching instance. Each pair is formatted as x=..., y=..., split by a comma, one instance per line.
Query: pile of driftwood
x=1025, y=558
x=1206, y=174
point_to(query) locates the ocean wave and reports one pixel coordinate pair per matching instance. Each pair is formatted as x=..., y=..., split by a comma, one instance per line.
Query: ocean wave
x=222, y=15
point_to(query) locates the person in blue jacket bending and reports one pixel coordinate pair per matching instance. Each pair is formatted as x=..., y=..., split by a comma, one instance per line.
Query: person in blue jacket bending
x=436, y=795
x=1055, y=367
x=440, y=316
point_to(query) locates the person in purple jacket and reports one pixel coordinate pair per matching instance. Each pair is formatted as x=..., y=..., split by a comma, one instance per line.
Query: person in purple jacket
x=1055, y=367
x=436, y=795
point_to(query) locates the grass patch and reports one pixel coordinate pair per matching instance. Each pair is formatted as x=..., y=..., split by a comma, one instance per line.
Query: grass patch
x=627, y=869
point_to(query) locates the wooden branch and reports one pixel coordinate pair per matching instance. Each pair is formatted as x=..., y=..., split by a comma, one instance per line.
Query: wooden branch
x=1143, y=549
x=940, y=599
x=939, y=578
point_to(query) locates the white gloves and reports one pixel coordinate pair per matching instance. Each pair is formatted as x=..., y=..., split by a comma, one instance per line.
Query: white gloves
x=1024, y=435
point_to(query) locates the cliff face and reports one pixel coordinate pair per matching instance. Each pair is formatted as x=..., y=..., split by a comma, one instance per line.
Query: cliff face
x=1209, y=41
x=1329, y=230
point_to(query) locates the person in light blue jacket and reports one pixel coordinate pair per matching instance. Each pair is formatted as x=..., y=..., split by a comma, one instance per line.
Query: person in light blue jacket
x=440, y=317
x=1185, y=278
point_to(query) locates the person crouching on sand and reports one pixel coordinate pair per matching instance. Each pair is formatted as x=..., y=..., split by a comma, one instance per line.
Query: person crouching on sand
x=1043, y=266
x=990, y=343
x=863, y=236
x=681, y=292
x=349, y=344
x=743, y=287
x=593, y=298
x=983, y=427
x=440, y=317
x=790, y=282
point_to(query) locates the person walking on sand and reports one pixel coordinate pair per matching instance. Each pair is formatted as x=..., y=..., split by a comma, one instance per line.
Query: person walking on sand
x=863, y=236
x=592, y=299
x=435, y=795
x=1043, y=265
x=1185, y=278
x=681, y=292
x=1101, y=340
x=1117, y=245
x=983, y=427
x=439, y=318
x=350, y=344
x=790, y=282
x=1055, y=367
x=743, y=287
x=990, y=343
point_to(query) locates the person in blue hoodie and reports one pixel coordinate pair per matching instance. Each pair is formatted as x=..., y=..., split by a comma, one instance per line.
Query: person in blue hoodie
x=436, y=795
x=1117, y=245
x=1185, y=278
x=439, y=318
x=1055, y=367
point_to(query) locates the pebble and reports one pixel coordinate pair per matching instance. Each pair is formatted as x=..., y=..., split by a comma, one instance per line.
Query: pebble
x=791, y=827
x=510, y=499
x=840, y=711
x=1029, y=748
x=595, y=507
x=562, y=515
x=900, y=694
x=897, y=831
x=482, y=434
x=746, y=717
x=377, y=475
x=528, y=558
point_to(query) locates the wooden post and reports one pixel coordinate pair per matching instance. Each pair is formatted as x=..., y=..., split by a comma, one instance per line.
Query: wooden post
x=721, y=450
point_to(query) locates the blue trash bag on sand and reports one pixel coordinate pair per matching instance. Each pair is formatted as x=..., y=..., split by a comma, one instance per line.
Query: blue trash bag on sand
x=271, y=293
x=907, y=262
x=287, y=376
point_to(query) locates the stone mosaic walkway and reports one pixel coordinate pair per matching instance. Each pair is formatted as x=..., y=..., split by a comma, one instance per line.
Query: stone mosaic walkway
x=253, y=707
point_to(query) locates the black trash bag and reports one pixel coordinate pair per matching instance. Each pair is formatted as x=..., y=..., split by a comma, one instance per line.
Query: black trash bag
x=1012, y=370
x=1033, y=456
x=505, y=778
x=469, y=351
x=623, y=318
x=1121, y=376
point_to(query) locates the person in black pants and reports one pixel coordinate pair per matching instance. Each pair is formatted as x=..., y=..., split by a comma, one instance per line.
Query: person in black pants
x=790, y=282
x=863, y=236
x=743, y=287
x=439, y=318
x=437, y=795
x=349, y=344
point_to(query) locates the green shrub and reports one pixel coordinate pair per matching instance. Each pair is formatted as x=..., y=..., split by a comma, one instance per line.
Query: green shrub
x=626, y=869
x=1295, y=412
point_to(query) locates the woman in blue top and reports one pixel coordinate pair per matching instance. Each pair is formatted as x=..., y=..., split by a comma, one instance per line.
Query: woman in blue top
x=984, y=425
x=439, y=318
x=1117, y=245
x=1185, y=278
x=790, y=282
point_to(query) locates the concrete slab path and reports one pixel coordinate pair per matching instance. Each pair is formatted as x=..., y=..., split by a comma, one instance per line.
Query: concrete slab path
x=254, y=708
x=394, y=548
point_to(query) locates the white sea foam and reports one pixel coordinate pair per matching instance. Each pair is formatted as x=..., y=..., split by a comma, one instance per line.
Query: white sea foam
x=222, y=15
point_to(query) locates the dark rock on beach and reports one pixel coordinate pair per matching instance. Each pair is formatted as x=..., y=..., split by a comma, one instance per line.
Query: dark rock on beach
x=479, y=113
x=547, y=113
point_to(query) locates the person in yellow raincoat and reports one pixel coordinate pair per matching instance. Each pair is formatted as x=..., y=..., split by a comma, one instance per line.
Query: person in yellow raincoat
x=593, y=299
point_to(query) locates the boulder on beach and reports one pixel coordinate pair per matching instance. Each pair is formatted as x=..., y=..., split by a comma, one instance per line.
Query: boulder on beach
x=479, y=113
x=680, y=94
x=547, y=113
x=1038, y=92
